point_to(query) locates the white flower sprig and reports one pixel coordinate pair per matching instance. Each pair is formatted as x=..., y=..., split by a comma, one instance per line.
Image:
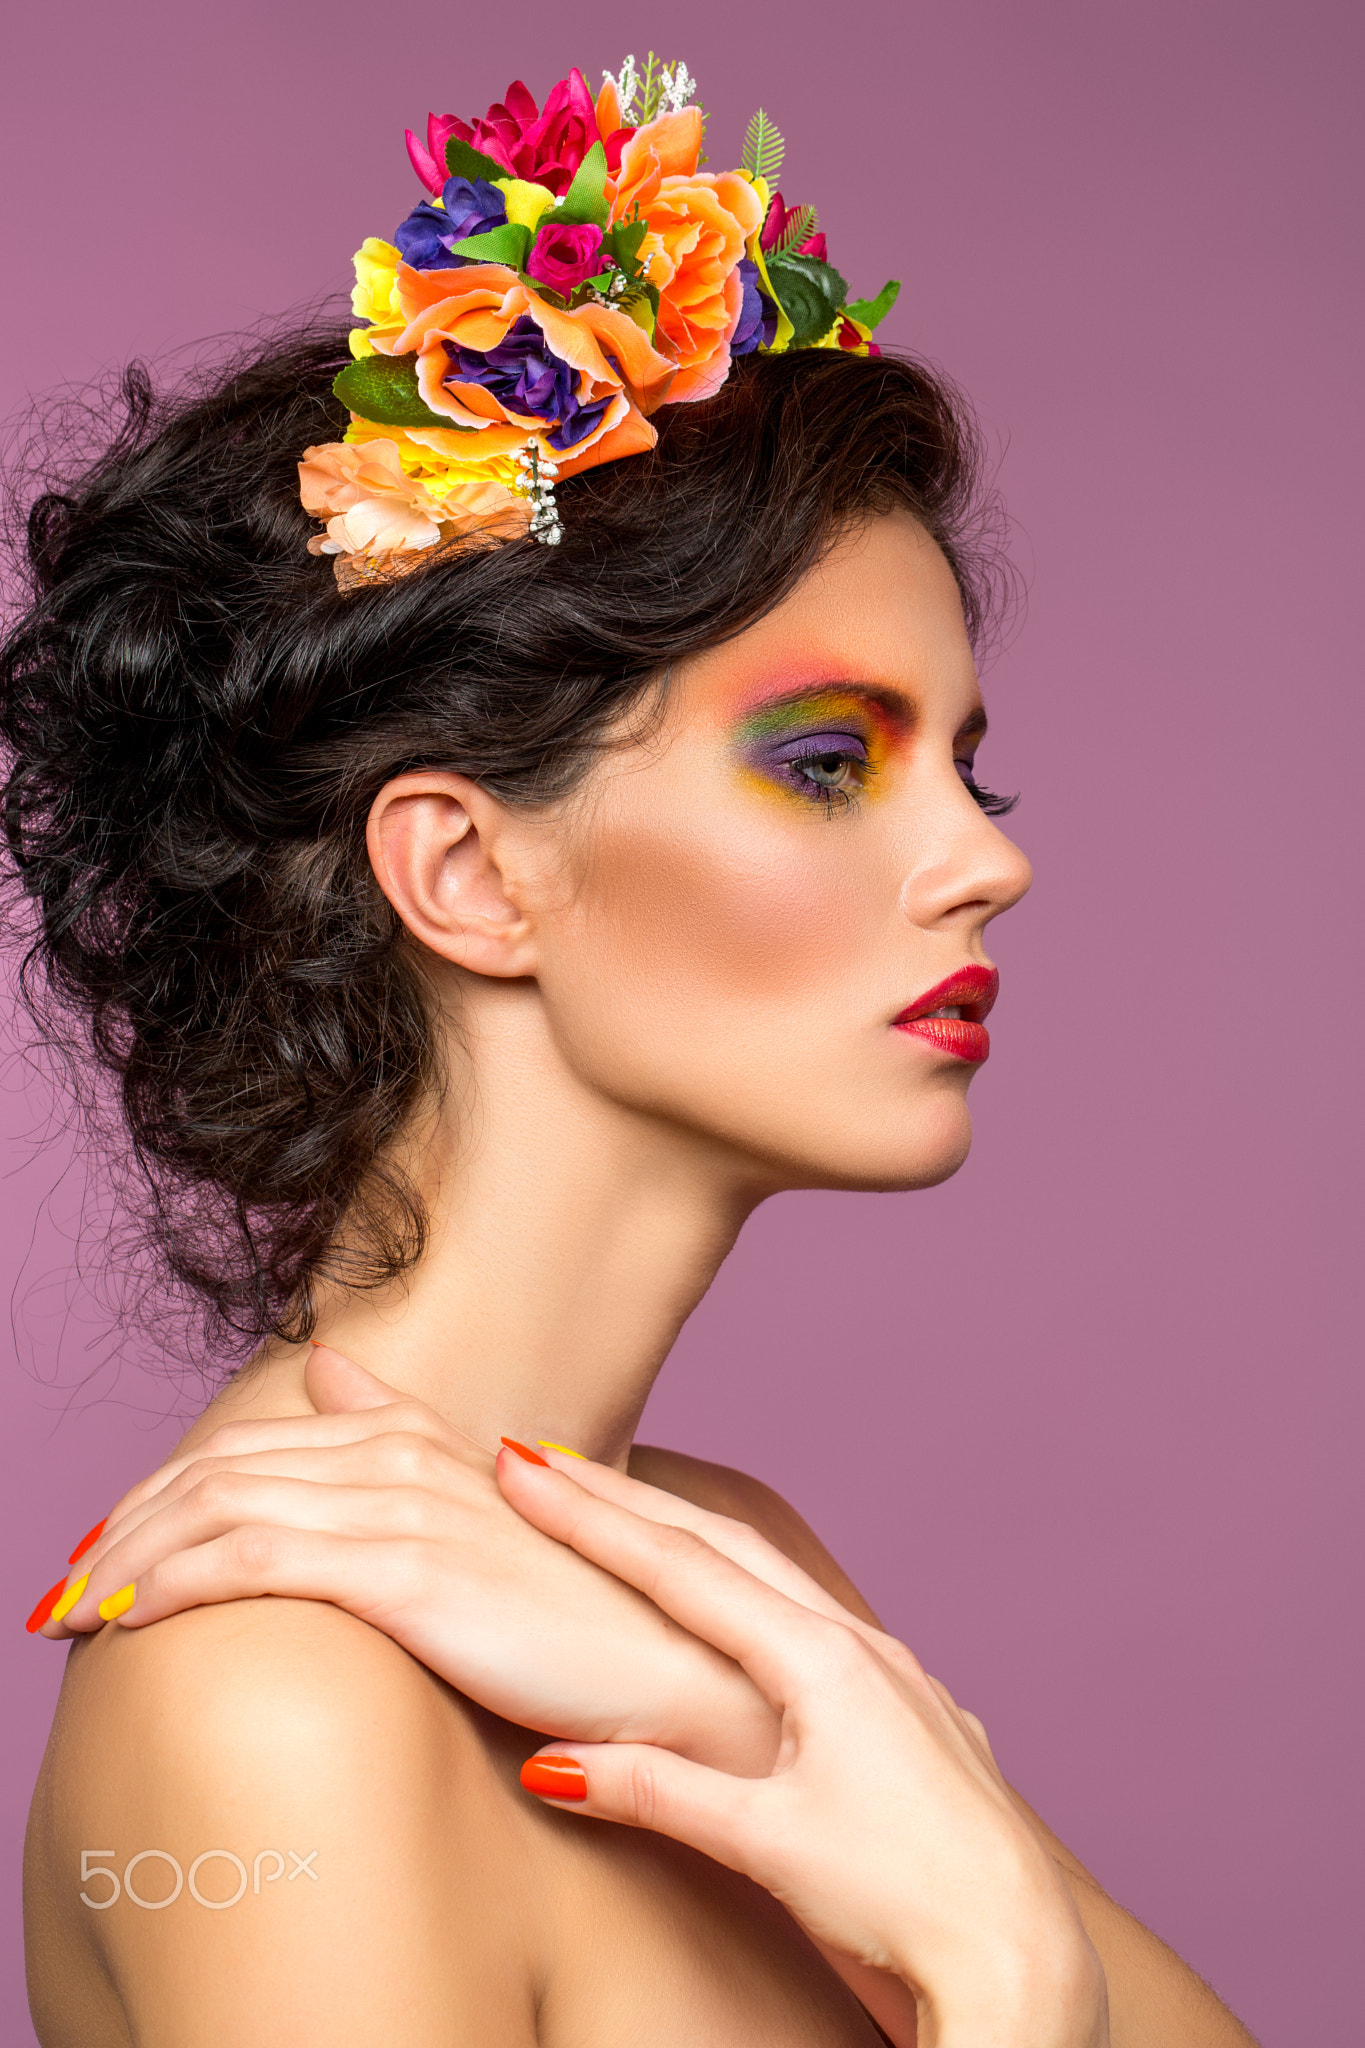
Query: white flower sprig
x=537, y=482
x=664, y=89
x=679, y=86
x=627, y=83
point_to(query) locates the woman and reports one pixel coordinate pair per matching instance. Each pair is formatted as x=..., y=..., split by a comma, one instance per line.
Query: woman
x=478, y=934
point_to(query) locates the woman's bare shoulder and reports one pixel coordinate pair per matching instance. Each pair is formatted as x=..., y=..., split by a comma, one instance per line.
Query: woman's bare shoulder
x=724, y=1491
x=299, y=1820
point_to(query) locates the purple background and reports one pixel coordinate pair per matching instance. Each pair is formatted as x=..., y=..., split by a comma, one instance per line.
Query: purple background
x=1083, y=1421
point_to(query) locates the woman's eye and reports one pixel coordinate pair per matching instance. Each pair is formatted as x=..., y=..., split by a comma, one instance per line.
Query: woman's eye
x=830, y=771
x=829, y=768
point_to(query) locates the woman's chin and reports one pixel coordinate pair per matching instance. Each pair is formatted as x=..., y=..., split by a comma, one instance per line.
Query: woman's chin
x=906, y=1150
x=923, y=1165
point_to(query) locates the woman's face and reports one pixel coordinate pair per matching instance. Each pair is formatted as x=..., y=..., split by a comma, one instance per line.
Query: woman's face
x=757, y=893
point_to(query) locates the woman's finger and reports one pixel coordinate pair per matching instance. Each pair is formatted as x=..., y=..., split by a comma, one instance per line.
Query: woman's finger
x=223, y=1502
x=239, y=1442
x=639, y=1786
x=737, y=1540
x=336, y=1382
x=251, y=1560
x=398, y=1460
x=773, y=1637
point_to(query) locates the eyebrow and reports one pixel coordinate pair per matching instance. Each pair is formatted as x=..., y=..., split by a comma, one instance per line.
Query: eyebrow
x=898, y=704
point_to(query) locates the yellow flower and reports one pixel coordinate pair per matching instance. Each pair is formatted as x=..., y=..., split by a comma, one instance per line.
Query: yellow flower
x=431, y=467
x=523, y=201
x=754, y=252
x=375, y=297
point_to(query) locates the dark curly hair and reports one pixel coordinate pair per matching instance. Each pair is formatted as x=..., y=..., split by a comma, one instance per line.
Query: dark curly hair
x=197, y=722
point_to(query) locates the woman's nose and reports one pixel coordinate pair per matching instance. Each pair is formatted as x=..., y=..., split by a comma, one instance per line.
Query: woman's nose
x=969, y=877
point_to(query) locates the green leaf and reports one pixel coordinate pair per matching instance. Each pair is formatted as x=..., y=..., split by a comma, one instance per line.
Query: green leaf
x=871, y=312
x=509, y=244
x=811, y=294
x=384, y=389
x=764, y=148
x=799, y=229
x=624, y=242
x=642, y=305
x=464, y=161
x=586, y=198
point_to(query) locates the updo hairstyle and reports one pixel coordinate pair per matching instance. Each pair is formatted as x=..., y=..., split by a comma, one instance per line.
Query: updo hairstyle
x=197, y=722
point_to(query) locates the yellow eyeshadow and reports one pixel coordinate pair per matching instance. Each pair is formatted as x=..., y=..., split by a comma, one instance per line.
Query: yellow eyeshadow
x=760, y=736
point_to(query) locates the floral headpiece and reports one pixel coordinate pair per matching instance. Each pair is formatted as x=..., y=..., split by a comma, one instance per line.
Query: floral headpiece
x=571, y=272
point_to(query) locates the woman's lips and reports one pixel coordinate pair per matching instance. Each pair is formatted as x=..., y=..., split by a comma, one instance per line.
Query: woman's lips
x=949, y=1016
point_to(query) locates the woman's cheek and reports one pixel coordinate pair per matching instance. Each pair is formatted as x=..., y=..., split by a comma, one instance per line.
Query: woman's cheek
x=744, y=914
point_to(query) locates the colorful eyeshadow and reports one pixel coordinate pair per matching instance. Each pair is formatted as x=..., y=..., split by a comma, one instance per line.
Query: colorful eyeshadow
x=776, y=738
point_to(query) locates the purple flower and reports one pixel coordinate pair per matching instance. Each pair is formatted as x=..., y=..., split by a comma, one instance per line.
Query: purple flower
x=564, y=256
x=526, y=377
x=429, y=233
x=757, y=315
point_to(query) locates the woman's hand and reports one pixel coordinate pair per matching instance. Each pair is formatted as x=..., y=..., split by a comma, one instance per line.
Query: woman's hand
x=884, y=1826
x=380, y=1507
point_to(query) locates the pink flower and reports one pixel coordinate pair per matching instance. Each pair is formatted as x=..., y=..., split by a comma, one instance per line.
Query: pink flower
x=430, y=163
x=382, y=522
x=564, y=256
x=545, y=148
x=775, y=226
x=367, y=499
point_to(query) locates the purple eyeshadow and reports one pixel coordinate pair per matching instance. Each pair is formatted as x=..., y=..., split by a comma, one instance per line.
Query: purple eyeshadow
x=781, y=753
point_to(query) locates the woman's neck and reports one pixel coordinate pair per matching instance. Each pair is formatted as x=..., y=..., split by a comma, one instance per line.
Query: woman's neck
x=570, y=1238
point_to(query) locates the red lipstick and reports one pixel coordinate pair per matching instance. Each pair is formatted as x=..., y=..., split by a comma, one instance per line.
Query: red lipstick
x=966, y=998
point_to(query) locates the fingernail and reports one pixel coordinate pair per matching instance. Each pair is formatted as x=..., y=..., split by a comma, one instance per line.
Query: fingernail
x=117, y=1603
x=554, y=1777
x=91, y=1536
x=43, y=1611
x=531, y=1457
x=70, y=1597
x=567, y=1449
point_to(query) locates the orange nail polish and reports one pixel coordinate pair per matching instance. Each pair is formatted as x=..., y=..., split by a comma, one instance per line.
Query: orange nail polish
x=44, y=1608
x=531, y=1457
x=555, y=1777
x=91, y=1536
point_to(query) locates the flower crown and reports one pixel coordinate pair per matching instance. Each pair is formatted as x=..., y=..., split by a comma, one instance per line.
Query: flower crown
x=571, y=272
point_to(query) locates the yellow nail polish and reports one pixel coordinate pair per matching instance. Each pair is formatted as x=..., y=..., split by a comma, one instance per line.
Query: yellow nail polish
x=567, y=1449
x=117, y=1603
x=70, y=1597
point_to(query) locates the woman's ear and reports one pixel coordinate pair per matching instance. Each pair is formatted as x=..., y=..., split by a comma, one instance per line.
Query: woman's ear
x=433, y=841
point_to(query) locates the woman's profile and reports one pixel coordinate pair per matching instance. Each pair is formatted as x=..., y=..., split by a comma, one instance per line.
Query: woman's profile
x=499, y=793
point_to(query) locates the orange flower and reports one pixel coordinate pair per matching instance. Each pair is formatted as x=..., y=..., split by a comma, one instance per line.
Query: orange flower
x=382, y=522
x=666, y=148
x=699, y=226
x=503, y=366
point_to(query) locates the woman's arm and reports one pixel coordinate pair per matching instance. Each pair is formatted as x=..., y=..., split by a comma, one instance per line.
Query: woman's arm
x=377, y=1904
x=883, y=1827
x=441, y=1563
x=1155, y=1999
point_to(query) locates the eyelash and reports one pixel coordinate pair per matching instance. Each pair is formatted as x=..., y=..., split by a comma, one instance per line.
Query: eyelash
x=994, y=806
